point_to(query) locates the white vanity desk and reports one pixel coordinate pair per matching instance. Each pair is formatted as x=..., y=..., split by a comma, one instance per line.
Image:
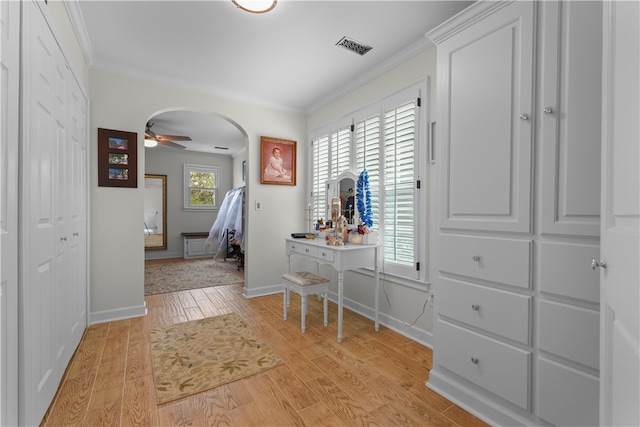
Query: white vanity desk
x=342, y=258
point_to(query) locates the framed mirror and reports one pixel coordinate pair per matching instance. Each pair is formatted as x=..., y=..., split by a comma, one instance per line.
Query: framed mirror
x=344, y=188
x=155, y=212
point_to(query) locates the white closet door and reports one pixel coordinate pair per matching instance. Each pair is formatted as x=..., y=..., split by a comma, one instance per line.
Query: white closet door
x=53, y=297
x=620, y=232
x=9, y=82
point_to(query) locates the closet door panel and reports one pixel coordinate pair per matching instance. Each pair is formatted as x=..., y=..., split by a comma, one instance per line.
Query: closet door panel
x=39, y=374
x=487, y=159
x=9, y=133
x=569, y=117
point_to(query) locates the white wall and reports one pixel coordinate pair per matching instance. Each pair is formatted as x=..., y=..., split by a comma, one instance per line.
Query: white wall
x=170, y=162
x=117, y=245
x=406, y=303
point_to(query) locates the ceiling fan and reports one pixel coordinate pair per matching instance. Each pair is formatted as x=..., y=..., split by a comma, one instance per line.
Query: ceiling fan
x=166, y=140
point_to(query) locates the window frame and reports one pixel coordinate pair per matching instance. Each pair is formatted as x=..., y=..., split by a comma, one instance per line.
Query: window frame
x=187, y=169
x=417, y=274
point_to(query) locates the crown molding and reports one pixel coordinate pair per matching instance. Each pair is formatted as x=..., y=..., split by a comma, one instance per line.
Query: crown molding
x=75, y=15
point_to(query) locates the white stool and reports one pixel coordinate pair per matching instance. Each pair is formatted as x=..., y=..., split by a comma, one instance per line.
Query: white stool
x=304, y=283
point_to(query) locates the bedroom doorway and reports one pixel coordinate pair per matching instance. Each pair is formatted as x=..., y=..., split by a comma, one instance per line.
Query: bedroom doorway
x=175, y=141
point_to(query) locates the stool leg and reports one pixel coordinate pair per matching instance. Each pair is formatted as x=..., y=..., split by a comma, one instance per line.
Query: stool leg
x=285, y=292
x=326, y=303
x=303, y=312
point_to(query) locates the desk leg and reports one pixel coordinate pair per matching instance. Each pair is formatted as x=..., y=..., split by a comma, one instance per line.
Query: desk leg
x=340, y=297
x=377, y=297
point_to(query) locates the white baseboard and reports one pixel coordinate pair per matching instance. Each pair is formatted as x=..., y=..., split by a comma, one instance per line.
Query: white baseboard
x=418, y=335
x=119, y=314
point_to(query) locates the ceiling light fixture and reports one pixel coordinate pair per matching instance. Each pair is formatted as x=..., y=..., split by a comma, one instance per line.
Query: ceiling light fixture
x=150, y=142
x=255, y=6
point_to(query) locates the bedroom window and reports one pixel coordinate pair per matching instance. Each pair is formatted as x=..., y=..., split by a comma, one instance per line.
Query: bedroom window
x=200, y=187
x=386, y=139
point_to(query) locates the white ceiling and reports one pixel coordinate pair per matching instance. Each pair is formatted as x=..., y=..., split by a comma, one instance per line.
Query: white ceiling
x=285, y=59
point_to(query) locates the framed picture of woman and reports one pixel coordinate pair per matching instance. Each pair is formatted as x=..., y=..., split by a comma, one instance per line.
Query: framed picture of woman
x=277, y=161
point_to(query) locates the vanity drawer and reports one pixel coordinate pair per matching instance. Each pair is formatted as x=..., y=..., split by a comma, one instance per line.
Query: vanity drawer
x=325, y=255
x=504, y=261
x=301, y=248
x=501, y=312
x=495, y=366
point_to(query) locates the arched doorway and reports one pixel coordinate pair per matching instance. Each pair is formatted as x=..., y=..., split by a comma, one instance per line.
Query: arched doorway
x=192, y=138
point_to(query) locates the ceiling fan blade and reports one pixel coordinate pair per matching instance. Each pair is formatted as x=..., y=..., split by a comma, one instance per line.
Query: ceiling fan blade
x=173, y=138
x=170, y=144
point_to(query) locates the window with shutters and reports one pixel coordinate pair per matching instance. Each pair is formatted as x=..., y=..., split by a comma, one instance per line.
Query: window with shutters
x=385, y=139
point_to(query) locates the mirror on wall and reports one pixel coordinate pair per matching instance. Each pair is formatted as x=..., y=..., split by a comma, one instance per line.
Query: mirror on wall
x=155, y=212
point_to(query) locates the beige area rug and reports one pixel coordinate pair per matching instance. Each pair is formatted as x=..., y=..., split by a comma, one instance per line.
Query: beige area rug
x=192, y=357
x=160, y=278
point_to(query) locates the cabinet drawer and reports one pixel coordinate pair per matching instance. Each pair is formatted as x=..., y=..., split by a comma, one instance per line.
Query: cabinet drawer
x=497, y=311
x=301, y=248
x=570, y=332
x=504, y=261
x=326, y=255
x=561, y=388
x=495, y=366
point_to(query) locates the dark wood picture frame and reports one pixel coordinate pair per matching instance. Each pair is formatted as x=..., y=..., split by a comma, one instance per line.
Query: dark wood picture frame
x=117, y=158
x=277, y=161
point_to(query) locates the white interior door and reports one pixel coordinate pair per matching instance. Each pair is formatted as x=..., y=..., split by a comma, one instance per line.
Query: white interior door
x=9, y=82
x=620, y=237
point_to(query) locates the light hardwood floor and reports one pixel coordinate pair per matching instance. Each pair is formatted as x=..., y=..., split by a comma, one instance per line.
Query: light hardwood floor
x=371, y=378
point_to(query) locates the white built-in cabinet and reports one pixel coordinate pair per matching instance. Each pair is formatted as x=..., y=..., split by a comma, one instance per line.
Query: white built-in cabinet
x=517, y=302
x=53, y=233
x=196, y=246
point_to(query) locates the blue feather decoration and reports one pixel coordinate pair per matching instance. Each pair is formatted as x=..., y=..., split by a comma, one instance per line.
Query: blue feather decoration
x=363, y=199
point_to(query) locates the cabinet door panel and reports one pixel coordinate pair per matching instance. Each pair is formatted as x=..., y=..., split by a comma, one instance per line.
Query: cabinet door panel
x=569, y=332
x=564, y=270
x=561, y=388
x=487, y=72
x=569, y=117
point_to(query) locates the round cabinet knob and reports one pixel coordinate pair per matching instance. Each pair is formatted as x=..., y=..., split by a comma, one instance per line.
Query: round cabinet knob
x=524, y=116
x=475, y=307
x=474, y=360
x=548, y=110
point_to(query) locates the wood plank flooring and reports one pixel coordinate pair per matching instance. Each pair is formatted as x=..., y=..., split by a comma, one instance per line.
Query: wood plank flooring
x=371, y=378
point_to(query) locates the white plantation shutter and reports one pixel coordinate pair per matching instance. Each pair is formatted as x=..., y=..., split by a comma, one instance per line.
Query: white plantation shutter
x=367, y=137
x=320, y=153
x=385, y=140
x=398, y=217
x=340, y=151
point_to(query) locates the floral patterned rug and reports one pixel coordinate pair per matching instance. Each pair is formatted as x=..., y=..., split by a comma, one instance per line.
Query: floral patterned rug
x=195, y=356
x=160, y=278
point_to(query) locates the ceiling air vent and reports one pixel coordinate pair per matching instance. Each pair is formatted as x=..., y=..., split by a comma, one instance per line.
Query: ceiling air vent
x=353, y=46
